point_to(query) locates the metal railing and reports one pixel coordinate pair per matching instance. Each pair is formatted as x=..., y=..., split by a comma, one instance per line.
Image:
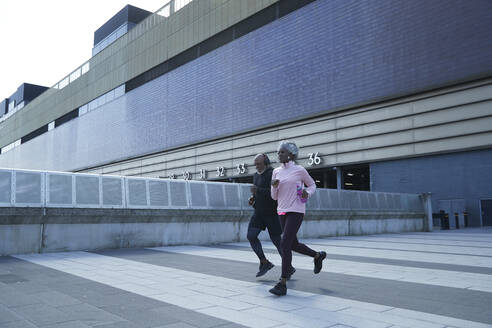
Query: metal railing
x=28, y=188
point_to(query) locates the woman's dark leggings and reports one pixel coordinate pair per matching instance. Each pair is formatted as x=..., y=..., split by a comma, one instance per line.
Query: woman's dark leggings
x=291, y=222
x=256, y=244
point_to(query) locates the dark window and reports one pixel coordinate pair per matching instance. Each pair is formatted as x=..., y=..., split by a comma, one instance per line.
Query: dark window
x=67, y=117
x=34, y=134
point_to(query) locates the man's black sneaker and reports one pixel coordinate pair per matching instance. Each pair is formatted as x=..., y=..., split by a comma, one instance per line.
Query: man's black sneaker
x=318, y=263
x=280, y=289
x=291, y=272
x=264, y=267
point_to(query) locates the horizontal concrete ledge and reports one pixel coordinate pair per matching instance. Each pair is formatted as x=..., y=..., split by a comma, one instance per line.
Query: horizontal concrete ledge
x=37, y=230
x=30, y=215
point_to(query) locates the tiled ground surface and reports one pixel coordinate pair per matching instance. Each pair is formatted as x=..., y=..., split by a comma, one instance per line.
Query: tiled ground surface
x=440, y=279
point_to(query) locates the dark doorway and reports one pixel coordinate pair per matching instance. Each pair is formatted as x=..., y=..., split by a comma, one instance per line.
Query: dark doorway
x=486, y=211
x=324, y=178
x=356, y=177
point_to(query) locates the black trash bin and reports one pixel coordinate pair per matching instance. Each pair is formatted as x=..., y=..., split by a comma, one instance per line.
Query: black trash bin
x=441, y=219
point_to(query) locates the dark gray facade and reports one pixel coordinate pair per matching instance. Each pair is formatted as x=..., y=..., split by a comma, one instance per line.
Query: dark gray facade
x=459, y=176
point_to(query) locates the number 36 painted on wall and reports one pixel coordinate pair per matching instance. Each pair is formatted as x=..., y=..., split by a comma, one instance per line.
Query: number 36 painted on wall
x=314, y=159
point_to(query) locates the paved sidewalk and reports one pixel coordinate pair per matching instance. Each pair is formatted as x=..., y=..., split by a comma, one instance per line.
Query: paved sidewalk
x=439, y=279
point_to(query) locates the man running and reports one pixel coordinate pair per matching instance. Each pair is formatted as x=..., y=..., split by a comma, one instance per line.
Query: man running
x=265, y=215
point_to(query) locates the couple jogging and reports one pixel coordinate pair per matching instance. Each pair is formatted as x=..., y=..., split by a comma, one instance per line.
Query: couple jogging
x=279, y=198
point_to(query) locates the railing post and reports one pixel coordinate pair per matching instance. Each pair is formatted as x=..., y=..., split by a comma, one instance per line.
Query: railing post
x=427, y=204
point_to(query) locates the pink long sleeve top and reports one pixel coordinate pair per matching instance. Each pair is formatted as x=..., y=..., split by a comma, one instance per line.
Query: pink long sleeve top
x=291, y=177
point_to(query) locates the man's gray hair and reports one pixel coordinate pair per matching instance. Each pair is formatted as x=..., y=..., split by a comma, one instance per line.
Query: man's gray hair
x=290, y=147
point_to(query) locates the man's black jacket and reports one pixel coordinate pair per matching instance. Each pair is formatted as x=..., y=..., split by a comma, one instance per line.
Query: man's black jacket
x=264, y=204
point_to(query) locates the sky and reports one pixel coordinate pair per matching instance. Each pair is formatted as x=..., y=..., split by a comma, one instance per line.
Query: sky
x=42, y=41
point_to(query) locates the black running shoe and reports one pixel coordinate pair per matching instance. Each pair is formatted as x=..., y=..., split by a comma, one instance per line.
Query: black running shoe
x=280, y=289
x=318, y=263
x=264, y=267
x=291, y=272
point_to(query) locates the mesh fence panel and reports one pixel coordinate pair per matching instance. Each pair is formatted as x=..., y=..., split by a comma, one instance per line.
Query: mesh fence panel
x=245, y=194
x=364, y=200
x=354, y=199
x=158, y=193
x=373, y=202
x=216, y=195
x=28, y=188
x=179, y=196
x=396, y=201
x=5, y=187
x=198, y=195
x=137, y=192
x=324, y=199
x=87, y=190
x=60, y=189
x=232, y=195
x=344, y=199
x=112, y=191
x=414, y=203
x=313, y=201
x=382, y=203
x=334, y=199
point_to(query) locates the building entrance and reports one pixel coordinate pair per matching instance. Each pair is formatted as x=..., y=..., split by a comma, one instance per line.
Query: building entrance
x=353, y=177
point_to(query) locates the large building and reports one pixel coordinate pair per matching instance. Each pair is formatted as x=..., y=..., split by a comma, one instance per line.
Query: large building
x=380, y=95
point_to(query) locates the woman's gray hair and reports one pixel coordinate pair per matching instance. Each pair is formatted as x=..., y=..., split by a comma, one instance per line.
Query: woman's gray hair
x=290, y=147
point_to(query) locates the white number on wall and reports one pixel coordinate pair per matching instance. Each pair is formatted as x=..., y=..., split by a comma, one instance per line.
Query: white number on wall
x=220, y=171
x=186, y=175
x=172, y=176
x=203, y=174
x=314, y=159
x=241, y=168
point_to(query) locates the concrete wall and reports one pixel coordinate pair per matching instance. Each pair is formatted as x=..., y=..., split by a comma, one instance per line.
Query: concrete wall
x=36, y=230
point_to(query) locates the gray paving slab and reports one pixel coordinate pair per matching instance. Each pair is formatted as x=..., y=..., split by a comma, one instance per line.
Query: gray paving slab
x=41, y=314
x=13, y=298
x=56, y=299
x=89, y=314
x=18, y=324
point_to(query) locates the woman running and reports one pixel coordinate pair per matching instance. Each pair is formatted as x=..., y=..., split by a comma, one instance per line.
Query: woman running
x=287, y=188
